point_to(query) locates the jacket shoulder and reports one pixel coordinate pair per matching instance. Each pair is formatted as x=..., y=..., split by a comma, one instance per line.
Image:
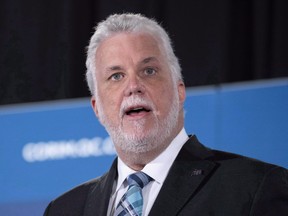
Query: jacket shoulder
x=73, y=201
x=241, y=162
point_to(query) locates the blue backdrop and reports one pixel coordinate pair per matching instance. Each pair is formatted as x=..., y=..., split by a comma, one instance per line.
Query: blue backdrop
x=48, y=148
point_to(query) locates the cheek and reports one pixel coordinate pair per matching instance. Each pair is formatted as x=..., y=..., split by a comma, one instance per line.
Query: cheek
x=111, y=106
x=163, y=102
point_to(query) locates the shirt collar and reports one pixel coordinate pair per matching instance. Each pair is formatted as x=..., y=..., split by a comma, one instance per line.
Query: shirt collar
x=159, y=167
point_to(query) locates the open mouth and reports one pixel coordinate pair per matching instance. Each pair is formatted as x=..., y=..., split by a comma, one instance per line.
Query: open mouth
x=137, y=110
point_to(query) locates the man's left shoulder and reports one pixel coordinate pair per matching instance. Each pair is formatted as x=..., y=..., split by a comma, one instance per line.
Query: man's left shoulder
x=235, y=163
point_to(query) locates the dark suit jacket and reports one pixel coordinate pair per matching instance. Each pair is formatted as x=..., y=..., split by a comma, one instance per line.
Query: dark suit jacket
x=200, y=182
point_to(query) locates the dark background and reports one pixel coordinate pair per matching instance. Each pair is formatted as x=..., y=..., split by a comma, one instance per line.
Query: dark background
x=42, y=43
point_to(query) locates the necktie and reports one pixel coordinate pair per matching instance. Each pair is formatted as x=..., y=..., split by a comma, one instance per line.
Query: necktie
x=132, y=201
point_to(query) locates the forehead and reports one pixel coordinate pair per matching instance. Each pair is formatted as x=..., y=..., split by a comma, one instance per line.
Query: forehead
x=136, y=46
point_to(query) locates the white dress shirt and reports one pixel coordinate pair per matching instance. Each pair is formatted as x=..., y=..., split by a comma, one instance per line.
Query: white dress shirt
x=156, y=169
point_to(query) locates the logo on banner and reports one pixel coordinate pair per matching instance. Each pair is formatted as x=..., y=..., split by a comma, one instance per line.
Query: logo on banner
x=59, y=150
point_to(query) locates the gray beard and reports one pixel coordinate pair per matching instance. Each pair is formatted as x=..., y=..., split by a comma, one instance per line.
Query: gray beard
x=136, y=142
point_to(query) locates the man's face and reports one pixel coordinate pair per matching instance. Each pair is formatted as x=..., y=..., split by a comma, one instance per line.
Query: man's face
x=137, y=100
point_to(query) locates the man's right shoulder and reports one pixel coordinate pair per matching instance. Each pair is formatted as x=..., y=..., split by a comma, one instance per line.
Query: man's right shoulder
x=73, y=201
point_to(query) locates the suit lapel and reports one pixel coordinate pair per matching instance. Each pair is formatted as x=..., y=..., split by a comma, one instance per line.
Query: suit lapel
x=187, y=175
x=99, y=195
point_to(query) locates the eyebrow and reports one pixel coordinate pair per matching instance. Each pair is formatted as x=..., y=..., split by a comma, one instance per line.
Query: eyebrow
x=114, y=68
x=148, y=60
x=144, y=61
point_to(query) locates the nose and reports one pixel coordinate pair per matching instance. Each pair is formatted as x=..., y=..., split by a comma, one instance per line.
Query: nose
x=134, y=86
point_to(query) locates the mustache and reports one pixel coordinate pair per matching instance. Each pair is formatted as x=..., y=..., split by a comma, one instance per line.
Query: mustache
x=135, y=101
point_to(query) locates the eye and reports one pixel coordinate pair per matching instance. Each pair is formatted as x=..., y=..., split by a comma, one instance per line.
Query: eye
x=116, y=76
x=149, y=71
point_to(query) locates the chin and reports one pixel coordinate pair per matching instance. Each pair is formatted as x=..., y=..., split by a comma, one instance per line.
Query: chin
x=138, y=144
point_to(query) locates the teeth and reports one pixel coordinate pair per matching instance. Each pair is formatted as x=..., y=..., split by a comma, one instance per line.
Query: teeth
x=139, y=108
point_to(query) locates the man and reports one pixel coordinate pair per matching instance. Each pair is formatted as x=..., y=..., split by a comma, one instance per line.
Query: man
x=138, y=95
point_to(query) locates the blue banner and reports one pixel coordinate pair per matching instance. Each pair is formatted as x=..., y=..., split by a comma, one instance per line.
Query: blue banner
x=48, y=148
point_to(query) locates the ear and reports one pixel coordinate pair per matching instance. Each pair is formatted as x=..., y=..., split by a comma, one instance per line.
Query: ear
x=94, y=105
x=181, y=92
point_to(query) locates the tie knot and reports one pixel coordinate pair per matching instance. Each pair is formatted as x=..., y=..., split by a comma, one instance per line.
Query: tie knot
x=139, y=178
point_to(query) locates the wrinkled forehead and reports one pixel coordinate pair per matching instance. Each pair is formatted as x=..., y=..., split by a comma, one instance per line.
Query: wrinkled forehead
x=138, y=46
x=132, y=35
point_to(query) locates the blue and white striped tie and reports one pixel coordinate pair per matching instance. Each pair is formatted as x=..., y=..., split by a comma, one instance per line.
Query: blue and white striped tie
x=132, y=201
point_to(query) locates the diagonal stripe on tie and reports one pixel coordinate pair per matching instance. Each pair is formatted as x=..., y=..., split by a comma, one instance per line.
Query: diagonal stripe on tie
x=132, y=201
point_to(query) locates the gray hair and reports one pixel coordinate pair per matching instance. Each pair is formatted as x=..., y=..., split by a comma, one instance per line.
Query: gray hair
x=133, y=23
